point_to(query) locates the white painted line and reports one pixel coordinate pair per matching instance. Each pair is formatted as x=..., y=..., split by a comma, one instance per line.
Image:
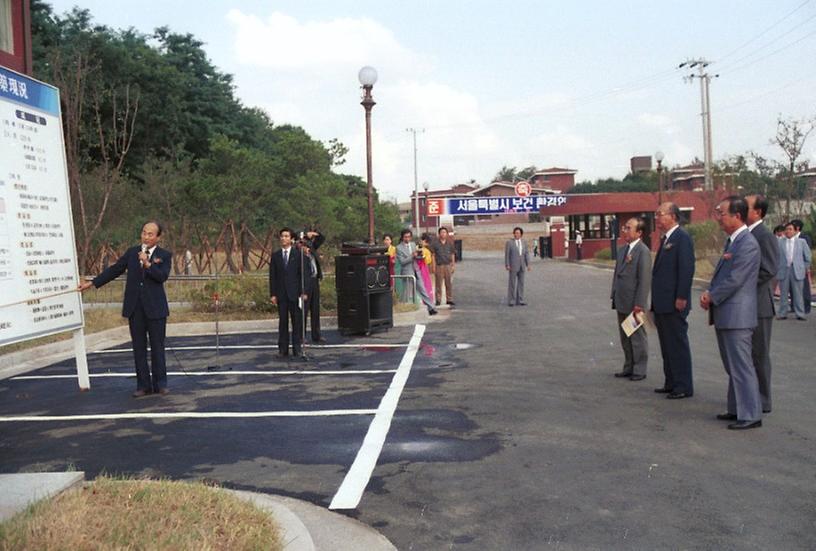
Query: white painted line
x=351, y=490
x=188, y=415
x=212, y=373
x=254, y=347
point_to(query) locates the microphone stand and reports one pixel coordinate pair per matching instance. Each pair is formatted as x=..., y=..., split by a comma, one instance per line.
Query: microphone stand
x=303, y=307
x=217, y=365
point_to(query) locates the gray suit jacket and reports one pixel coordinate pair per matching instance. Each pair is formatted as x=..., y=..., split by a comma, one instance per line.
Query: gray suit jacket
x=406, y=259
x=801, y=258
x=769, y=250
x=733, y=287
x=632, y=279
x=512, y=257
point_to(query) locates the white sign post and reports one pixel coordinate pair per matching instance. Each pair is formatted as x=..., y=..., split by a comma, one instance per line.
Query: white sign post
x=38, y=263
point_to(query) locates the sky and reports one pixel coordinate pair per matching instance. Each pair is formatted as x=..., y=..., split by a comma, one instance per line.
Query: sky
x=583, y=85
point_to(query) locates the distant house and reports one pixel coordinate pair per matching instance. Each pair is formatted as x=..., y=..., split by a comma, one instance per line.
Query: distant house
x=640, y=164
x=557, y=179
x=688, y=178
x=15, y=35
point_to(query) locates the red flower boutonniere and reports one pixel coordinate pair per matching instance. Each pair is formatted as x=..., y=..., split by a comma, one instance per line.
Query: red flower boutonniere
x=628, y=258
x=157, y=261
x=727, y=256
x=668, y=246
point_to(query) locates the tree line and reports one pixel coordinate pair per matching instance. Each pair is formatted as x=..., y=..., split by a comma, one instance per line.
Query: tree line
x=154, y=130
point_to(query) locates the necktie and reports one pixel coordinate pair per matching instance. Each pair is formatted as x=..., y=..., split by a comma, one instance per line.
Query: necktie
x=518, y=244
x=285, y=258
x=789, y=251
x=727, y=244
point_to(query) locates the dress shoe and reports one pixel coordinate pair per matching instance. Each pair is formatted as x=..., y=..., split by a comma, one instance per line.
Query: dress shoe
x=283, y=354
x=164, y=391
x=318, y=339
x=139, y=393
x=451, y=303
x=677, y=395
x=521, y=303
x=742, y=425
x=432, y=312
x=637, y=377
x=437, y=303
x=781, y=317
x=727, y=416
x=622, y=374
x=766, y=411
x=800, y=318
x=663, y=390
x=510, y=305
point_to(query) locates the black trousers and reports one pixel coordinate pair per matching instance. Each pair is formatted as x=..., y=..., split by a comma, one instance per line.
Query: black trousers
x=672, y=331
x=153, y=378
x=313, y=309
x=289, y=311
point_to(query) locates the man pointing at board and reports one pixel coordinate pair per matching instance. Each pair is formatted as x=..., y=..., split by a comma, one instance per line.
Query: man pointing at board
x=145, y=305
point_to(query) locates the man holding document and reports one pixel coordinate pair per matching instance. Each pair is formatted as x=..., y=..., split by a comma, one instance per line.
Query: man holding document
x=630, y=290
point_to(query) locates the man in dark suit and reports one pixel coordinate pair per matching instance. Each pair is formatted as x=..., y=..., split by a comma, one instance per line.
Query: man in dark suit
x=145, y=305
x=286, y=291
x=672, y=275
x=761, y=339
x=314, y=275
x=732, y=304
x=630, y=289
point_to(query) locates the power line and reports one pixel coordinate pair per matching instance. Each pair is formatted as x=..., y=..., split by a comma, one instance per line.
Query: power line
x=785, y=47
x=728, y=66
x=761, y=34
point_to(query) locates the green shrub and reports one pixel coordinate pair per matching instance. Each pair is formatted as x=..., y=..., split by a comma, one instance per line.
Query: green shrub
x=248, y=293
x=707, y=236
x=603, y=254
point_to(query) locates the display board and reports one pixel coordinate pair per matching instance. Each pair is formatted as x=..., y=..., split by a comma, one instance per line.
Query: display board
x=38, y=266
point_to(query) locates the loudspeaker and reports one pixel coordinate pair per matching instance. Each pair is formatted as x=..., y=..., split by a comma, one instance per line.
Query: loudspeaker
x=367, y=273
x=361, y=312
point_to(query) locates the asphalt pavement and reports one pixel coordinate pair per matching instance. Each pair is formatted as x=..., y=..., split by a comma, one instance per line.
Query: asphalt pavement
x=511, y=432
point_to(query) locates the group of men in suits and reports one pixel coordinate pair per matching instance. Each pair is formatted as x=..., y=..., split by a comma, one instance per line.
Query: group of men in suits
x=294, y=287
x=739, y=301
x=669, y=280
x=795, y=259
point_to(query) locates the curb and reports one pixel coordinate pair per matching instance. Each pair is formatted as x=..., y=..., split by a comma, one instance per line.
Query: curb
x=24, y=489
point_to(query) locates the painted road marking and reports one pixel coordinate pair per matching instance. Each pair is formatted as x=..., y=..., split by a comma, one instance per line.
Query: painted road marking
x=351, y=490
x=212, y=373
x=188, y=415
x=254, y=347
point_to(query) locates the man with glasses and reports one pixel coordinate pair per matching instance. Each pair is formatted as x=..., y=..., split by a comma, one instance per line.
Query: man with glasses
x=672, y=274
x=731, y=301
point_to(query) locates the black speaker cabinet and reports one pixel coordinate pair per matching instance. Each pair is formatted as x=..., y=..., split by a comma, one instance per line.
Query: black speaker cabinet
x=363, y=312
x=367, y=273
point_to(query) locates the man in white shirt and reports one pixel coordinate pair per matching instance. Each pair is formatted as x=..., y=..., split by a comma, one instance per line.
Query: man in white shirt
x=795, y=259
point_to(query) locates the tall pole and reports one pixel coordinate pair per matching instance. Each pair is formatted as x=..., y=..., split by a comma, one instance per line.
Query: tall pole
x=705, y=115
x=659, y=182
x=367, y=103
x=416, y=180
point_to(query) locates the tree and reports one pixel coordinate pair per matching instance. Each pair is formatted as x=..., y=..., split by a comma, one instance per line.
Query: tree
x=791, y=135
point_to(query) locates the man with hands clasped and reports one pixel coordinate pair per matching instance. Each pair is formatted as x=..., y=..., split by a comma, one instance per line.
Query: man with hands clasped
x=732, y=304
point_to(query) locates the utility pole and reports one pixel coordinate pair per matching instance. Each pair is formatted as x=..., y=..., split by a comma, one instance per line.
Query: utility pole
x=416, y=181
x=705, y=79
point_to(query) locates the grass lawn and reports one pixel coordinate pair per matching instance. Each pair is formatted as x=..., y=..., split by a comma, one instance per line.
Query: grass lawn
x=141, y=514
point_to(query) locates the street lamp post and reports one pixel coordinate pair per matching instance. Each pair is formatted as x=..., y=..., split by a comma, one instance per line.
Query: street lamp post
x=425, y=185
x=367, y=77
x=659, y=158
